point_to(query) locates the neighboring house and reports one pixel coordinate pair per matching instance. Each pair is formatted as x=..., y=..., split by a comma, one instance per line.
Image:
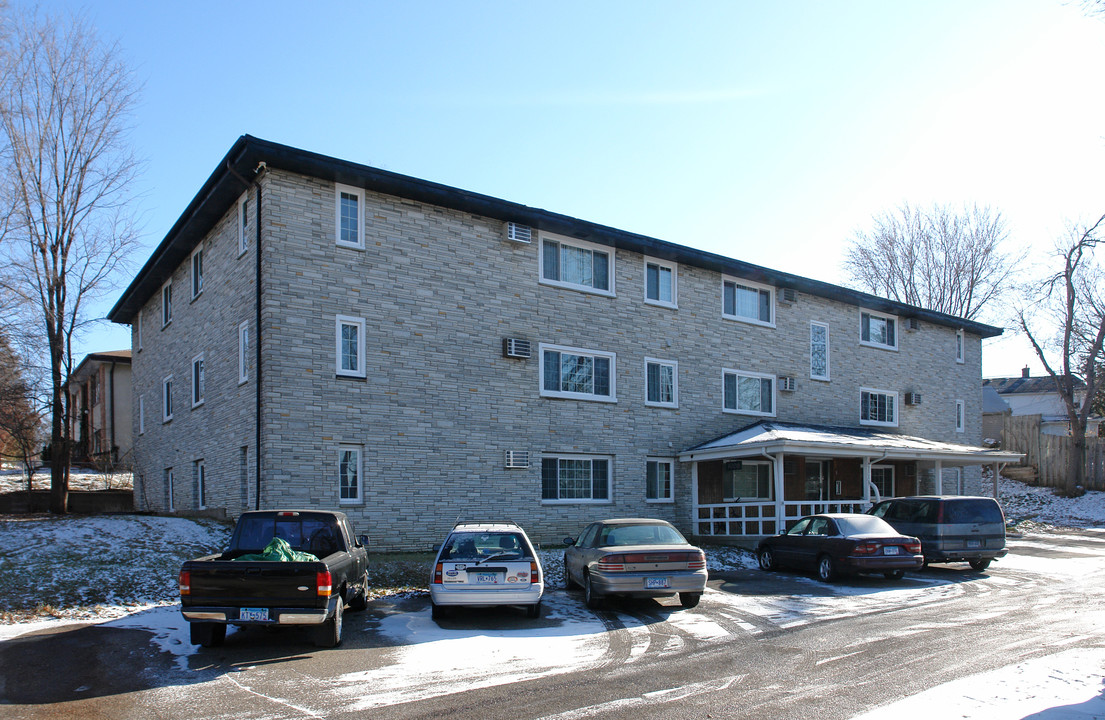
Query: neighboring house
x=994, y=412
x=1027, y=395
x=101, y=409
x=317, y=333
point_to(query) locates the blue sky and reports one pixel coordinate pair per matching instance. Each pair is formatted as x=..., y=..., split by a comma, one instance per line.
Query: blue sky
x=770, y=132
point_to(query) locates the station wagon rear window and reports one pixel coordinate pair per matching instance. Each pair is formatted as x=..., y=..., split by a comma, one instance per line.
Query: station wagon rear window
x=485, y=545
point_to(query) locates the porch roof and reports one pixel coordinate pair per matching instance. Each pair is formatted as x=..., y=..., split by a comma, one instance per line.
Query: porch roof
x=774, y=437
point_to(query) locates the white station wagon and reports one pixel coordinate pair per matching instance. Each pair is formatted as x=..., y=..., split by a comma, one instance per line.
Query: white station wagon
x=486, y=564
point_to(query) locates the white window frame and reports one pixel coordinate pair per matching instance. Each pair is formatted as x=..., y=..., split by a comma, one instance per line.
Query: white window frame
x=243, y=221
x=139, y=330
x=359, y=323
x=199, y=468
x=169, y=490
x=828, y=352
x=358, y=466
x=877, y=391
x=167, y=399
x=760, y=376
x=960, y=416
x=670, y=463
x=196, y=278
x=166, y=303
x=770, y=482
x=141, y=414
x=674, y=382
x=581, y=245
x=198, y=385
x=880, y=316
x=960, y=347
x=673, y=268
x=612, y=357
x=609, y=499
x=748, y=284
x=893, y=480
x=243, y=352
x=359, y=193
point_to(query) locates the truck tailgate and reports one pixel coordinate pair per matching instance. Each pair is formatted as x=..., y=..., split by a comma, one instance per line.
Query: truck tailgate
x=228, y=583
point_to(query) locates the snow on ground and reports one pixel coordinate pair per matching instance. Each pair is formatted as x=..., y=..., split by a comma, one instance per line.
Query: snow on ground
x=1039, y=505
x=13, y=480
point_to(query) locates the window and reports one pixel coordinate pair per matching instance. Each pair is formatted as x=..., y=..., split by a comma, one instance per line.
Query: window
x=167, y=399
x=169, y=489
x=960, y=417
x=166, y=303
x=746, y=480
x=747, y=301
x=878, y=330
x=577, y=374
x=349, y=474
x=138, y=328
x=660, y=279
x=882, y=477
x=349, y=202
x=819, y=351
x=659, y=485
x=243, y=219
x=197, y=380
x=243, y=352
x=350, y=346
x=571, y=478
x=661, y=383
x=960, y=352
x=576, y=264
x=199, y=484
x=748, y=393
x=243, y=476
x=878, y=407
x=197, y=272
x=141, y=414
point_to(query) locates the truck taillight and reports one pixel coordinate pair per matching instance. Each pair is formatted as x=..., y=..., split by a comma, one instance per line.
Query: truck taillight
x=534, y=572
x=185, y=583
x=437, y=574
x=323, y=581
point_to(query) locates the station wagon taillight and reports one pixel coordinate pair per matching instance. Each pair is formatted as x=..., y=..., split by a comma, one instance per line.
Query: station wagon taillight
x=534, y=573
x=437, y=574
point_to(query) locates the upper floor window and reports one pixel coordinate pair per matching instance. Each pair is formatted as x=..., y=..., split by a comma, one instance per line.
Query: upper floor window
x=577, y=374
x=166, y=303
x=349, y=217
x=748, y=301
x=576, y=264
x=960, y=351
x=350, y=346
x=243, y=352
x=167, y=399
x=138, y=329
x=660, y=281
x=573, y=478
x=198, y=381
x=661, y=383
x=197, y=272
x=349, y=474
x=819, y=351
x=878, y=407
x=659, y=485
x=243, y=219
x=141, y=414
x=878, y=330
x=960, y=416
x=748, y=393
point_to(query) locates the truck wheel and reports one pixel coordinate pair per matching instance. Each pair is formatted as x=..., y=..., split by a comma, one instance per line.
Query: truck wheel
x=207, y=634
x=329, y=633
x=359, y=601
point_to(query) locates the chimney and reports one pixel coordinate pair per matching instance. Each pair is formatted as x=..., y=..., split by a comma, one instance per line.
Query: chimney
x=1024, y=371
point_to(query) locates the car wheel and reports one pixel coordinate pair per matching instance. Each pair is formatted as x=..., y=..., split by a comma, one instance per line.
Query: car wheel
x=825, y=569
x=569, y=583
x=207, y=634
x=590, y=598
x=533, y=611
x=329, y=633
x=689, y=599
x=360, y=600
x=437, y=612
x=894, y=574
x=767, y=559
x=981, y=564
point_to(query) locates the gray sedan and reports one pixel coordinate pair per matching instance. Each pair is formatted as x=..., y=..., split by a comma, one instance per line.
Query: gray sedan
x=634, y=557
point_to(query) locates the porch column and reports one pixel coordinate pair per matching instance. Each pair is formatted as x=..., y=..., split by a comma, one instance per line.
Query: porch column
x=694, y=498
x=939, y=477
x=997, y=471
x=780, y=509
x=867, y=480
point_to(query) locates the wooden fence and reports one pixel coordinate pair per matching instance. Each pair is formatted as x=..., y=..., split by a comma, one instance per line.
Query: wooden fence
x=1050, y=454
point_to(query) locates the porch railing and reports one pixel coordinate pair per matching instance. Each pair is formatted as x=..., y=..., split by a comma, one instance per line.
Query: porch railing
x=758, y=519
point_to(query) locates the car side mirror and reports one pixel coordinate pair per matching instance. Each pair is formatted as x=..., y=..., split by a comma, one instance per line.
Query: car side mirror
x=569, y=541
x=362, y=540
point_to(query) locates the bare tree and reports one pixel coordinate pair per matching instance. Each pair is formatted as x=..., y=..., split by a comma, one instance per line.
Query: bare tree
x=65, y=98
x=1072, y=302
x=936, y=258
x=20, y=418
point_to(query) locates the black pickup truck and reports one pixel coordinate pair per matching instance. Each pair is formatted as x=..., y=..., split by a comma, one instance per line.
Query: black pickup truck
x=220, y=590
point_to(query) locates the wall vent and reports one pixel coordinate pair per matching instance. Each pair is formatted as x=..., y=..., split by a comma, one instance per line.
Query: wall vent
x=787, y=383
x=516, y=459
x=788, y=295
x=519, y=233
x=516, y=348
x=912, y=324
x=912, y=398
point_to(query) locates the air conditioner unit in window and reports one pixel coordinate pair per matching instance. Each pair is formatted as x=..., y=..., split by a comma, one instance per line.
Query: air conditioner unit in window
x=788, y=295
x=519, y=233
x=788, y=383
x=912, y=324
x=912, y=398
x=517, y=459
x=516, y=348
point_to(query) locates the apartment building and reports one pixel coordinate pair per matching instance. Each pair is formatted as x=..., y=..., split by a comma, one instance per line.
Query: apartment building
x=100, y=417
x=317, y=333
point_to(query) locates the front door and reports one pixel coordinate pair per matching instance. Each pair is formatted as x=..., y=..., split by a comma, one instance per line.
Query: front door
x=817, y=480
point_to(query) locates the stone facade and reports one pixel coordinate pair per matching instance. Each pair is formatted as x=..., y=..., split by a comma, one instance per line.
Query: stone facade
x=439, y=405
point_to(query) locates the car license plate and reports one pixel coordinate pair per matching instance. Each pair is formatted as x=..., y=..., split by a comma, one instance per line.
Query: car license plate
x=974, y=543
x=654, y=582
x=484, y=578
x=254, y=614
x=890, y=550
